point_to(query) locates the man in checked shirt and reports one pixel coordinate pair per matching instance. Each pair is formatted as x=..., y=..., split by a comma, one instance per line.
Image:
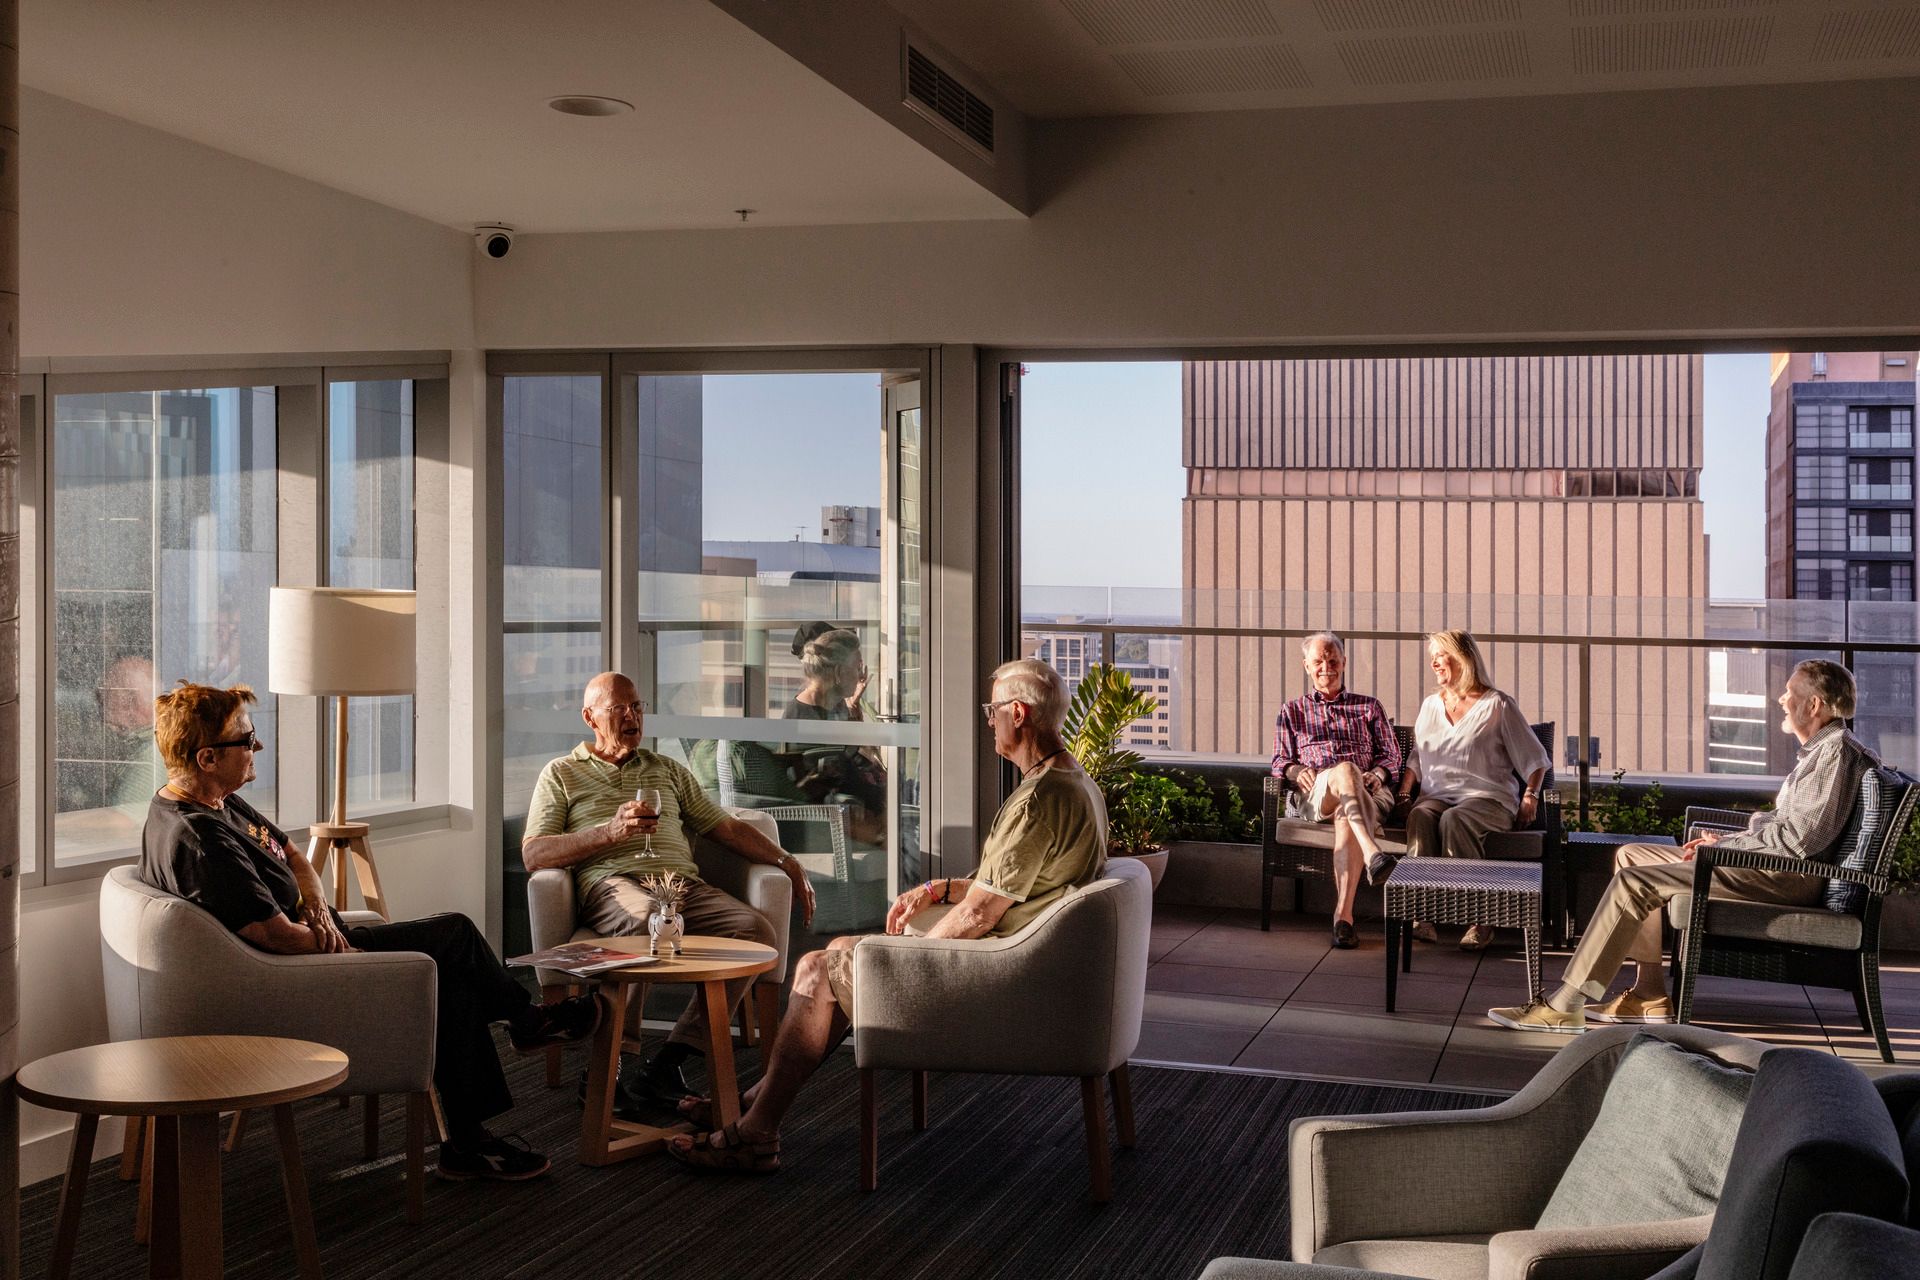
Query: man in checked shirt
x=1337, y=750
x=1807, y=821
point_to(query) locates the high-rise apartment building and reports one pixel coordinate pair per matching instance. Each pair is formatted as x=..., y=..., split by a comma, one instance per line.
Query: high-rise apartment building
x=1840, y=515
x=1537, y=495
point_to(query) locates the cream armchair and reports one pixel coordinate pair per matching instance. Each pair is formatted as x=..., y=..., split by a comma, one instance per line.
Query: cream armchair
x=1062, y=997
x=171, y=969
x=1484, y=1176
x=554, y=917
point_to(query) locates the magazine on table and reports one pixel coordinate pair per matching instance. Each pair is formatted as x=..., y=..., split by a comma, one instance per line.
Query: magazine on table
x=581, y=959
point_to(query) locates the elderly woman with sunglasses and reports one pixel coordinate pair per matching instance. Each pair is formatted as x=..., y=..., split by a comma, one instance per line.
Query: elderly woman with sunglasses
x=204, y=843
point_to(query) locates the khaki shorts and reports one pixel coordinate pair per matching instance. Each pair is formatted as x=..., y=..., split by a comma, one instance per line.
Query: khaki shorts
x=840, y=979
x=1379, y=792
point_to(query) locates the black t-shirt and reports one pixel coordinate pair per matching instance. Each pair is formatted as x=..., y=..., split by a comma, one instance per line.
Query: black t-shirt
x=231, y=860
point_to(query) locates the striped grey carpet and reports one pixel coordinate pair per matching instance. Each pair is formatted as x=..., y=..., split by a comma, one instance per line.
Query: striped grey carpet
x=997, y=1188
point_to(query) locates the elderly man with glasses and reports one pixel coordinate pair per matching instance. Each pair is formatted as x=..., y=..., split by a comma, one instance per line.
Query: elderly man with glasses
x=1049, y=838
x=586, y=816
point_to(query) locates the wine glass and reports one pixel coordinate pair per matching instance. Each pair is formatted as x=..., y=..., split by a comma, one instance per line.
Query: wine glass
x=648, y=798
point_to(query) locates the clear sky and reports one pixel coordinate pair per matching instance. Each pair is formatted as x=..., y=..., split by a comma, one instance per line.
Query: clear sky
x=1102, y=479
x=781, y=446
x=1113, y=432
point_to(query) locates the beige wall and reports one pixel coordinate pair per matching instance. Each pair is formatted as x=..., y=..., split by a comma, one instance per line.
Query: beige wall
x=1617, y=216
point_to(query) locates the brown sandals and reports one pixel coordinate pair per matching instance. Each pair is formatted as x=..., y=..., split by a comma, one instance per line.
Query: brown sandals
x=737, y=1155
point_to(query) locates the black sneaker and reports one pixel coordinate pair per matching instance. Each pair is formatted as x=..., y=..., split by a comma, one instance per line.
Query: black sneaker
x=1379, y=867
x=655, y=1086
x=557, y=1022
x=491, y=1159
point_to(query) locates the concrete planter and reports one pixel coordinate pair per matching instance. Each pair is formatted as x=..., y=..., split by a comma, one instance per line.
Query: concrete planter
x=1155, y=862
x=1900, y=921
x=1211, y=873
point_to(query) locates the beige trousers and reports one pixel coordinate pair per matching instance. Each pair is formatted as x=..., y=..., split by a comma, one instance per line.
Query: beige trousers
x=1646, y=877
x=618, y=907
x=1436, y=827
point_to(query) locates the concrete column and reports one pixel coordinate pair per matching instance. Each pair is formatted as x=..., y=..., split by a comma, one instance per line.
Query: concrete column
x=9, y=636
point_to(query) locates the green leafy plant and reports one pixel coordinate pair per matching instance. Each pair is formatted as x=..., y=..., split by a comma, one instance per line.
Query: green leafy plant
x=1608, y=809
x=1197, y=810
x=1904, y=870
x=1142, y=818
x=1103, y=705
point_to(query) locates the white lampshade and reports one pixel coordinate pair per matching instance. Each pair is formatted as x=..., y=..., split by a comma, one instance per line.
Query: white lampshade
x=340, y=641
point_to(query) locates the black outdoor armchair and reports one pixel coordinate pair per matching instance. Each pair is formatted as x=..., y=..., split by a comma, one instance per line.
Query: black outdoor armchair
x=1835, y=943
x=1302, y=849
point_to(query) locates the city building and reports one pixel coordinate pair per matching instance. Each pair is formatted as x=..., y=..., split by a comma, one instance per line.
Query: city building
x=1535, y=495
x=1840, y=511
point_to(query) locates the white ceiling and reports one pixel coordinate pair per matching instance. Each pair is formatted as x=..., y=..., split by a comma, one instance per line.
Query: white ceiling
x=438, y=107
x=1127, y=57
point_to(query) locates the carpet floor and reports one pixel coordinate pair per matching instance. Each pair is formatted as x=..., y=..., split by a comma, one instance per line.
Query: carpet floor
x=996, y=1188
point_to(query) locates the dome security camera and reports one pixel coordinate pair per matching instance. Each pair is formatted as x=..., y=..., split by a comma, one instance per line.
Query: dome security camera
x=495, y=239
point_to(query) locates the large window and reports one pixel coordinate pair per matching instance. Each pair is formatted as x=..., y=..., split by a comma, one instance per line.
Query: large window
x=1820, y=477
x=164, y=547
x=554, y=476
x=370, y=535
x=1880, y=479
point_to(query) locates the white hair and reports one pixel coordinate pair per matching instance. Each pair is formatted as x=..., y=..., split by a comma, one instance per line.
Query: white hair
x=1033, y=682
x=1306, y=645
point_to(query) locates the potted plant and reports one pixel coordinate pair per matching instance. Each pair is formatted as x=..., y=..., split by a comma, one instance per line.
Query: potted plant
x=1103, y=705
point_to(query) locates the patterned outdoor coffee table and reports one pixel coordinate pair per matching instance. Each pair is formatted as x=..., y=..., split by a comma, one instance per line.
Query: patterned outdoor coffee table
x=1461, y=891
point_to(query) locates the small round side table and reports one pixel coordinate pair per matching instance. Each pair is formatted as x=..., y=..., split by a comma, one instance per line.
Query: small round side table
x=708, y=962
x=184, y=1082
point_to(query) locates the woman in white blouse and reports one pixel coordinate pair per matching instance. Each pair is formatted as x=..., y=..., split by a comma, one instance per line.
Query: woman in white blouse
x=1472, y=745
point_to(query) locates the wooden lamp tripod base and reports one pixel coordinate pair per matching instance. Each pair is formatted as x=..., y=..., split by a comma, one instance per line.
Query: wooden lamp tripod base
x=340, y=840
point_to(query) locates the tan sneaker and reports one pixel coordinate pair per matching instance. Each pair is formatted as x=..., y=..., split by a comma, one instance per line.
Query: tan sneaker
x=1478, y=937
x=1424, y=932
x=1627, y=1007
x=1539, y=1017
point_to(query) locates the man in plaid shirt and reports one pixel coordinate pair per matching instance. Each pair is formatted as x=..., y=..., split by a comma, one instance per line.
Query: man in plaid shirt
x=1336, y=749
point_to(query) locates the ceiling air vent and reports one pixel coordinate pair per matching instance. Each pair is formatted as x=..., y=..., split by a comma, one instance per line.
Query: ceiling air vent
x=937, y=94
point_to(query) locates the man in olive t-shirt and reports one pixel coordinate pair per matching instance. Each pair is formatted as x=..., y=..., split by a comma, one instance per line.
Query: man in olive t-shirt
x=1049, y=837
x=585, y=817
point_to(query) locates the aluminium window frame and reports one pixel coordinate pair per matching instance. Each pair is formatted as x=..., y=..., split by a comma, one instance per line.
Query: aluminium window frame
x=299, y=381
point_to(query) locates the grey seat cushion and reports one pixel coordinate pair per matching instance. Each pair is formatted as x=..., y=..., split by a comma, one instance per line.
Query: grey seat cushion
x=1432, y=1257
x=1658, y=1148
x=1770, y=922
x=1319, y=835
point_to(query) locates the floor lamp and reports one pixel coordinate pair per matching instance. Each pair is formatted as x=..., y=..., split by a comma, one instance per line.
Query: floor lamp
x=341, y=642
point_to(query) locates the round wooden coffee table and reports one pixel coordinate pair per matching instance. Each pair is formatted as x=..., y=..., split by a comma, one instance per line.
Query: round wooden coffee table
x=184, y=1082
x=709, y=963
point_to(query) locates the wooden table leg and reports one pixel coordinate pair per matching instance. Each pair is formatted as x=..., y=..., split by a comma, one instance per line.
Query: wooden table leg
x=720, y=1071
x=603, y=1068
x=306, y=1248
x=199, y=1197
x=143, y=1211
x=131, y=1145
x=163, y=1191
x=73, y=1194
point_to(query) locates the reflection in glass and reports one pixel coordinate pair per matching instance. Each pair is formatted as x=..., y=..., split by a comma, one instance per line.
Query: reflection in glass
x=164, y=548
x=370, y=544
x=551, y=574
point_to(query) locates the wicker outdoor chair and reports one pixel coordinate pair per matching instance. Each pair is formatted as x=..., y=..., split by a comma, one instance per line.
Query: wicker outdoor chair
x=1302, y=849
x=1833, y=944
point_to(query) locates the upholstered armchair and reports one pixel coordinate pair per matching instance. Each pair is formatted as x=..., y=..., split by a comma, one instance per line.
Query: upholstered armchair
x=1062, y=997
x=553, y=914
x=1814, y=1137
x=171, y=969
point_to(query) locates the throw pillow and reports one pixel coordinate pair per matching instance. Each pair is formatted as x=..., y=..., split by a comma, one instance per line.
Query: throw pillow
x=1659, y=1147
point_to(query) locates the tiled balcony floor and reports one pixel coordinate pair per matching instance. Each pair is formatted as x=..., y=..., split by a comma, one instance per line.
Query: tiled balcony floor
x=1221, y=993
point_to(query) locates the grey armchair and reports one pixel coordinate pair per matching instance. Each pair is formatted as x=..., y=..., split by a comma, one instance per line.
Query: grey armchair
x=1484, y=1178
x=554, y=917
x=1062, y=997
x=171, y=969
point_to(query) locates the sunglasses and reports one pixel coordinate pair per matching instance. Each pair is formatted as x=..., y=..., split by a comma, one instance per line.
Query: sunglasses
x=251, y=742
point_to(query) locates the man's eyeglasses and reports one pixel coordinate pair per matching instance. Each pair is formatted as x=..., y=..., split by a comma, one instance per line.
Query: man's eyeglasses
x=250, y=742
x=613, y=708
x=988, y=708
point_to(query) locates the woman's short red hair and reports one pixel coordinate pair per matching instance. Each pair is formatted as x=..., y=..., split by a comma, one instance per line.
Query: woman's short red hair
x=193, y=716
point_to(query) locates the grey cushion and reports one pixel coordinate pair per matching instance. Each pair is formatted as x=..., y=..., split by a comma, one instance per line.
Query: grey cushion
x=1263, y=1269
x=1432, y=1257
x=1658, y=1149
x=1770, y=922
x=1319, y=835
